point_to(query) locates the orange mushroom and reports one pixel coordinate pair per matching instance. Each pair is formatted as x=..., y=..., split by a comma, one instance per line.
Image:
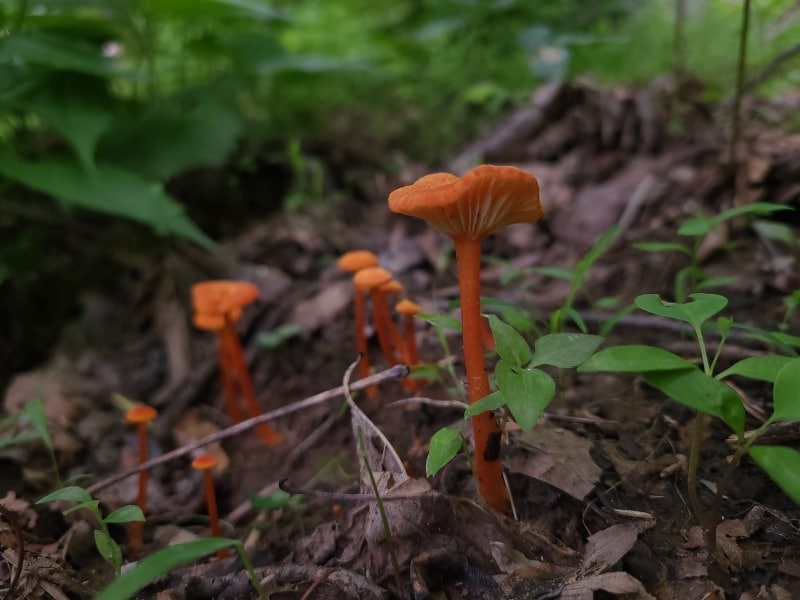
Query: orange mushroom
x=385, y=290
x=468, y=209
x=205, y=463
x=218, y=305
x=141, y=416
x=368, y=280
x=408, y=309
x=352, y=262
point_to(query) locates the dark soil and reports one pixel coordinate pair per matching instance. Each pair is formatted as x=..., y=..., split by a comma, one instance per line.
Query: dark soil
x=599, y=485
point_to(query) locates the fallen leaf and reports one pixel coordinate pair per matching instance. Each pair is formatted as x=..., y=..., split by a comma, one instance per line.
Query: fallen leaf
x=616, y=583
x=606, y=547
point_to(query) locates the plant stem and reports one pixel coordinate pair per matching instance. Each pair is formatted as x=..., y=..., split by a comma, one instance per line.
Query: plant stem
x=137, y=527
x=488, y=472
x=740, y=72
x=694, y=461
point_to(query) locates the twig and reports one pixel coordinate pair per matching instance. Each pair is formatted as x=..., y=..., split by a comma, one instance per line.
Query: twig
x=396, y=372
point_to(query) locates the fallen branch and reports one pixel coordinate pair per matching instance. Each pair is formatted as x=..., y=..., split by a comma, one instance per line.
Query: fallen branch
x=396, y=372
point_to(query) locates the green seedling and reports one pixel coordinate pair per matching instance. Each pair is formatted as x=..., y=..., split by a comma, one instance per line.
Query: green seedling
x=160, y=563
x=523, y=387
x=698, y=388
x=693, y=278
x=106, y=545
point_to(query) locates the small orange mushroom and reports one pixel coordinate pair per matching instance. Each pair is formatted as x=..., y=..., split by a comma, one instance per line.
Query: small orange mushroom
x=352, y=262
x=369, y=280
x=218, y=306
x=205, y=463
x=141, y=416
x=468, y=209
x=408, y=309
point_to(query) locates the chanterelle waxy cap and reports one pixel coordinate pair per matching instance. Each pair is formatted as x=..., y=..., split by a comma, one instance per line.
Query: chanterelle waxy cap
x=483, y=201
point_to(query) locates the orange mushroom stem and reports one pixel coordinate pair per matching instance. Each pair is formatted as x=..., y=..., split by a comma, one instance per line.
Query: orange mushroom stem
x=395, y=339
x=467, y=209
x=352, y=262
x=368, y=280
x=218, y=306
x=205, y=463
x=141, y=416
x=407, y=310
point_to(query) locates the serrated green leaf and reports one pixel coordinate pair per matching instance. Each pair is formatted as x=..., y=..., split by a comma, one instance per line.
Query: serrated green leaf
x=125, y=514
x=782, y=464
x=526, y=392
x=511, y=346
x=107, y=189
x=491, y=402
x=695, y=389
x=161, y=562
x=762, y=368
x=72, y=493
x=634, y=358
x=786, y=393
x=564, y=350
x=444, y=445
x=699, y=309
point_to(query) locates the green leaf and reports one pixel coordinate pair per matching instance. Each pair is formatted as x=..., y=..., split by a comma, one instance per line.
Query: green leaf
x=695, y=312
x=511, y=346
x=72, y=493
x=634, y=358
x=168, y=142
x=274, y=501
x=54, y=52
x=762, y=368
x=587, y=260
x=724, y=325
x=34, y=414
x=107, y=547
x=107, y=189
x=161, y=562
x=564, y=350
x=709, y=283
x=696, y=226
x=274, y=338
x=695, y=389
x=527, y=392
x=91, y=505
x=782, y=464
x=555, y=273
x=786, y=393
x=663, y=247
x=76, y=106
x=125, y=514
x=754, y=208
x=442, y=321
x=25, y=436
x=491, y=402
x=444, y=445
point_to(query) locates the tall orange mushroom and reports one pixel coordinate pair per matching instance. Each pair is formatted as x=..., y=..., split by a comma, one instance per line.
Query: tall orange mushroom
x=407, y=310
x=382, y=306
x=368, y=280
x=218, y=305
x=141, y=415
x=352, y=262
x=468, y=209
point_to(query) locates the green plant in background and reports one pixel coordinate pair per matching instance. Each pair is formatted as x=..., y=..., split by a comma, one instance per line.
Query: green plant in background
x=161, y=562
x=106, y=545
x=693, y=278
x=523, y=387
x=698, y=388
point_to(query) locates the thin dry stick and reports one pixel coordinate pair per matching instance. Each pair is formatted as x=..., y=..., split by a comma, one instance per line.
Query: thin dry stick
x=396, y=372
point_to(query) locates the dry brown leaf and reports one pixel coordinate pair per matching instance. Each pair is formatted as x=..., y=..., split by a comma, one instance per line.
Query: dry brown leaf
x=616, y=583
x=605, y=548
x=323, y=307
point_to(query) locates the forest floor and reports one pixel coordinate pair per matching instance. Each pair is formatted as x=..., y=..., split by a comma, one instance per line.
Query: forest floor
x=599, y=485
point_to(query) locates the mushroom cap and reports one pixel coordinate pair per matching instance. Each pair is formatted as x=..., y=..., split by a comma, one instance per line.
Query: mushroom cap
x=407, y=307
x=221, y=296
x=371, y=277
x=141, y=414
x=213, y=321
x=355, y=260
x=204, y=461
x=480, y=203
x=391, y=287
